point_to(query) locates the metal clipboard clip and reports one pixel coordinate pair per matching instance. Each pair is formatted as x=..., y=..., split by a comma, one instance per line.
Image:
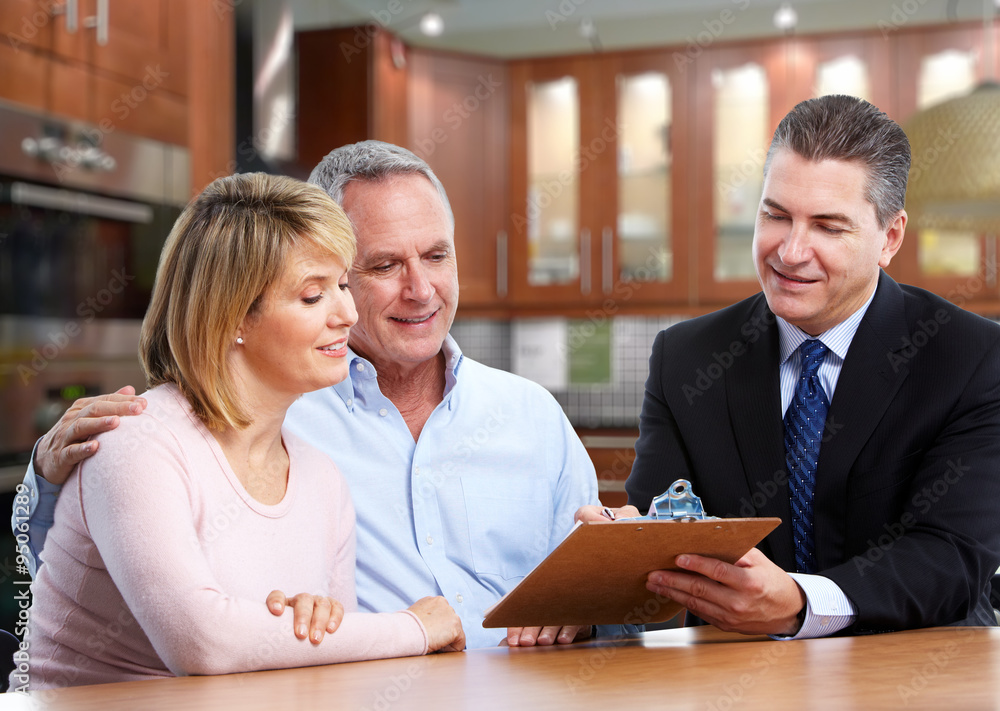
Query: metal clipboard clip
x=677, y=503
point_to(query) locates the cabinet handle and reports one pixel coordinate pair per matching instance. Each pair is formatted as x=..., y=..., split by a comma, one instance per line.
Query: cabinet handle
x=72, y=13
x=100, y=22
x=607, y=259
x=991, y=261
x=501, y=264
x=585, y=261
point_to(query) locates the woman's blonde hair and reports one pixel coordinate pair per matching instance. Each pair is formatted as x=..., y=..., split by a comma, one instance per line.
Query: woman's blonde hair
x=225, y=251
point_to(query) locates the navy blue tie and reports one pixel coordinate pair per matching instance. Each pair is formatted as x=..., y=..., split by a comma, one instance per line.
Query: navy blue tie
x=804, y=421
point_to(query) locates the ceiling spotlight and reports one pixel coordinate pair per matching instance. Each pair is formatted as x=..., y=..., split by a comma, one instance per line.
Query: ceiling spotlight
x=786, y=18
x=431, y=24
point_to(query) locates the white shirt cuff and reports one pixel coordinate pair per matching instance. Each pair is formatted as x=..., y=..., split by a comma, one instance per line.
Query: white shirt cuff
x=827, y=608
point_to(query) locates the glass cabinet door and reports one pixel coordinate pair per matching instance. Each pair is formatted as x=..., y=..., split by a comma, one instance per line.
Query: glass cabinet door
x=553, y=170
x=856, y=66
x=644, y=178
x=553, y=204
x=740, y=92
x=844, y=74
x=940, y=252
x=644, y=250
x=944, y=64
x=592, y=169
x=740, y=136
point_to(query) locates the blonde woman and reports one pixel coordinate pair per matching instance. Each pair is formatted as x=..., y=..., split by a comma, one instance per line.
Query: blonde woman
x=166, y=541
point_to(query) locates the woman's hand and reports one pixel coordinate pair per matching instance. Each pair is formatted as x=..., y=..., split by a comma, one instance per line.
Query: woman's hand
x=312, y=613
x=444, y=628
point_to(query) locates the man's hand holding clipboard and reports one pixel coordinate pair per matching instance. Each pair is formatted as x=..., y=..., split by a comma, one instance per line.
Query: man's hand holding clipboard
x=752, y=595
x=610, y=571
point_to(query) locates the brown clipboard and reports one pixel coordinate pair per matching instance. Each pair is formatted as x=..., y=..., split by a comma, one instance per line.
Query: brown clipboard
x=597, y=575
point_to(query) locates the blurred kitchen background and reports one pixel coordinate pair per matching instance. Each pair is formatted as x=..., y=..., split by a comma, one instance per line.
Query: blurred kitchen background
x=603, y=159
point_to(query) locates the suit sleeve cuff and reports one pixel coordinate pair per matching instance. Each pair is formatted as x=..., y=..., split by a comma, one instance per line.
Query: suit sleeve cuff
x=827, y=608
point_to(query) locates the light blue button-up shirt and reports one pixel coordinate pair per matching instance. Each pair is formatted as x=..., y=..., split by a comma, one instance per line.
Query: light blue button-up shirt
x=488, y=490
x=467, y=511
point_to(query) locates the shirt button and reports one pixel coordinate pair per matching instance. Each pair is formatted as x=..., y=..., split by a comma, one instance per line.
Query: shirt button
x=825, y=621
x=458, y=598
x=383, y=412
x=350, y=401
x=360, y=366
x=416, y=470
x=430, y=540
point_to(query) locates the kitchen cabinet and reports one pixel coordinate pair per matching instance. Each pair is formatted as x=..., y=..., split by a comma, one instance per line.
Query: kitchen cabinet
x=598, y=212
x=945, y=63
x=857, y=65
x=592, y=211
x=26, y=70
x=118, y=64
x=210, y=49
x=352, y=86
x=458, y=124
x=139, y=74
x=552, y=204
x=741, y=93
x=645, y=253
x=26, y=24
x=632, y=178
x=358, y=83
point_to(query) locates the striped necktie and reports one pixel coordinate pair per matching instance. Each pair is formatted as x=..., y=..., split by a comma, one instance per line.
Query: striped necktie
x=804, y=423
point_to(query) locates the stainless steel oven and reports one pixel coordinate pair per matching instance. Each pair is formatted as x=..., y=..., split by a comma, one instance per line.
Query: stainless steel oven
x=83, y=216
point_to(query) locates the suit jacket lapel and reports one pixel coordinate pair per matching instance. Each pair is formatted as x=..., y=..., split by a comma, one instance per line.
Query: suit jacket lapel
x=754, y=400
x=868, y=381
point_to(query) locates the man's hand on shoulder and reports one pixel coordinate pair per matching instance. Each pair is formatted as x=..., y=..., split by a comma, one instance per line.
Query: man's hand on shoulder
x=753, y=596
x=68, y=442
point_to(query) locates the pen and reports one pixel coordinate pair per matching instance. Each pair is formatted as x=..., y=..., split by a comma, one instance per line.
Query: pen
x=609, y=513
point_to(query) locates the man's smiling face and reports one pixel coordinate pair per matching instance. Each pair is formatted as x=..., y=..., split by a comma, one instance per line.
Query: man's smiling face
x=817, y=245
x=405, y=277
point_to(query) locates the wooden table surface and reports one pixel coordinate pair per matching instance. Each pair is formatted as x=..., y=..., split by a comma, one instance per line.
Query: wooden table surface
x=695, y=668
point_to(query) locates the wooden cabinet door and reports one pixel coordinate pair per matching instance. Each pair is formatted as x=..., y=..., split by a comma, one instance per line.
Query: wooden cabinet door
x=740, y=96
x=127, y=38
x=27, y=24
x=352, y=87
x=140, y=72
x=933, y=65
x=26, y=28
x=856, y=65
x=458, y=114
x=558, y=182
x=645, y=237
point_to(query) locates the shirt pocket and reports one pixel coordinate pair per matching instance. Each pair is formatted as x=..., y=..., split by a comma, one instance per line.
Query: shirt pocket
x=510, y=523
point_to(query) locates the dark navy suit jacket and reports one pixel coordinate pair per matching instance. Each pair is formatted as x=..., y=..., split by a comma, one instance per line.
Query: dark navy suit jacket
x=907, y=497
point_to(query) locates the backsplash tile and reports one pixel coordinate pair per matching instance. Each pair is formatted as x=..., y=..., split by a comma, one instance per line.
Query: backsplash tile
x=615, y=405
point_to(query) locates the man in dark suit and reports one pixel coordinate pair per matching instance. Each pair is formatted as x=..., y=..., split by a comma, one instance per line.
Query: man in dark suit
x=900, y=528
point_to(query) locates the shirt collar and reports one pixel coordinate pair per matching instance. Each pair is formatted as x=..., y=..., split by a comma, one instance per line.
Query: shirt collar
x=452, y=362
x=837, y=339
x=346, y=388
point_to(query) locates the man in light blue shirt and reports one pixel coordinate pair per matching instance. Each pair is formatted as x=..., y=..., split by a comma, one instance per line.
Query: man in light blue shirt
x=463, y=477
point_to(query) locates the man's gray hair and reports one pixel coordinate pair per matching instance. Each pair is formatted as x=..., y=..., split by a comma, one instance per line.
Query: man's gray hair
x=372, y=161
x=839, y=127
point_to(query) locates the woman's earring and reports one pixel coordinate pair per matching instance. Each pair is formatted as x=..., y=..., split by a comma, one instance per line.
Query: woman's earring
x=239, y=339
